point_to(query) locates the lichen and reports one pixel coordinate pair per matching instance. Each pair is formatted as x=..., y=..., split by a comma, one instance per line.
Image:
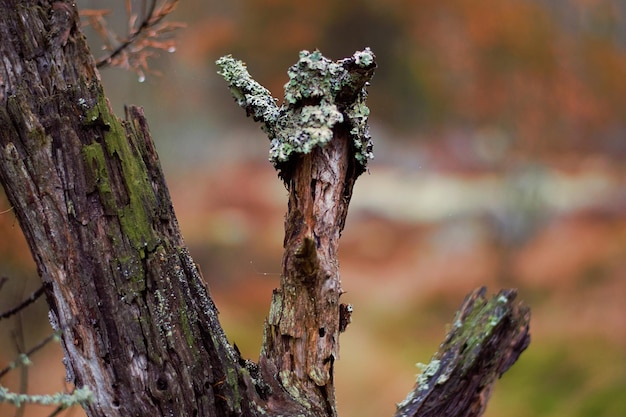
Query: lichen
x=358, y=115
x=314, y=76
x=364, y=58
x=164, y=314
x=249, y=94
x=130, y=269
x=276, y=308
x=291, y=384
x=427, y=372
x=319, y=95
x=81, y=396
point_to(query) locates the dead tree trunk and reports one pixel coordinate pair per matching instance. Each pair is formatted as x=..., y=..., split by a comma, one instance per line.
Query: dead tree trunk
x=138, y=325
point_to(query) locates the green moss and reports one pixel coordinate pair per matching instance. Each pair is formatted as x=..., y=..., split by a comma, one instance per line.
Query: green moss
x=233, y=382
x=97, y=176
x=135, y=217
x=186, y=325
x=478, y=325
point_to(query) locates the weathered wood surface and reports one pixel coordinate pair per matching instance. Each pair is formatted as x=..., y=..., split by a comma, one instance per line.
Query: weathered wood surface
x=320, y=145
x=140, y=329
x=486, y=338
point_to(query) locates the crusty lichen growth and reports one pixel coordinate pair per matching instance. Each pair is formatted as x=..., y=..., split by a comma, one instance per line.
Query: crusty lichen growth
x=474, y=324
x=427, y=372
x=319, y=95
x=81, y=396
x=252, y=96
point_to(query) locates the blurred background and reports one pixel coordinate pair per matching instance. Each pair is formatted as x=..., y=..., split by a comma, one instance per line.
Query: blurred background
x=499, y=131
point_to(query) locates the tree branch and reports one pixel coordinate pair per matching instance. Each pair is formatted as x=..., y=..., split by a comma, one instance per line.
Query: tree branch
x=319, y=144
x=146, y=34
x=486, y=338
x=28, y=301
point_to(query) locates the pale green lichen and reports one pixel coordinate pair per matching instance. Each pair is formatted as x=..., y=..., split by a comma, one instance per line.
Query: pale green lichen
x=249, y=94
x=314, y=76
x=319, y=375
x=164, y=315
x=290, y=382
x=358, y=114
x=22, y=360
x=80, y=396
x=427, y=372
x=276, y=309
x=319, y=95
x=364, y=58
x=303, y=129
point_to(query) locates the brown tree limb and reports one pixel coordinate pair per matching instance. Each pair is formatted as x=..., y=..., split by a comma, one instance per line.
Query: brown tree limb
x=320, y=145
x=486, y=338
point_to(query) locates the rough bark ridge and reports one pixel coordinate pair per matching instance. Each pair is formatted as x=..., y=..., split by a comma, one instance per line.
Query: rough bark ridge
x=139, y=327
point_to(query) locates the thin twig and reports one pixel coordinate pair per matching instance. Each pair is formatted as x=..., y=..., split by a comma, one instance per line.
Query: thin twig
x=56, y=411
x=145, y=24
x=147, y=34
x=19, y=344
x=61, y=408
x=34, y=349
x=33, y=297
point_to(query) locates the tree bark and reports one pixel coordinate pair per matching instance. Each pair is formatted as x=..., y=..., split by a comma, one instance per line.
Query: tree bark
x=320, y=145
x=486, y=338
x=139, y=328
